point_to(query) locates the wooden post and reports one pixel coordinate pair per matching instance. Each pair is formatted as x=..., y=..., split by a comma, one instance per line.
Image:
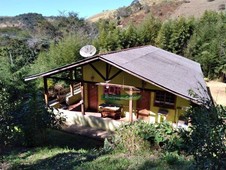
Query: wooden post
x=46, y=91
x=131, y=105
x=82, y=99
x=71, y=84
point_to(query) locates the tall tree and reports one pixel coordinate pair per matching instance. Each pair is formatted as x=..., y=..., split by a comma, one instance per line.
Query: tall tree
x=148, y=30
x=207, y=45
x=165, y=35
x=64, y=52
x=175, y=34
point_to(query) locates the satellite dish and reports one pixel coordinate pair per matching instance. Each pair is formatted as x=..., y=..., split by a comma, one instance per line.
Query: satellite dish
x=87, y=51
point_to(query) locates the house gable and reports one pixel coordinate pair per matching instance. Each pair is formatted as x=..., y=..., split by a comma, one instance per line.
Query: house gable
x=163, y=69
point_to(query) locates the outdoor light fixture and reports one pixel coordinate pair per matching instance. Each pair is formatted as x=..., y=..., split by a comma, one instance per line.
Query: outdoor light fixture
x=107, y=85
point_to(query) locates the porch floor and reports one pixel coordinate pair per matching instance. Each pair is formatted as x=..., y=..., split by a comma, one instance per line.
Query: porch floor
x=91, y=124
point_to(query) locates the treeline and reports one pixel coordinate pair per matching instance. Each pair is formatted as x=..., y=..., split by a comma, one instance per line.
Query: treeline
x=202, y=40
x=57, y=42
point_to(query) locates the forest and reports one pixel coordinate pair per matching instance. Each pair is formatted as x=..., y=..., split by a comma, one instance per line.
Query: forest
x=42, y=44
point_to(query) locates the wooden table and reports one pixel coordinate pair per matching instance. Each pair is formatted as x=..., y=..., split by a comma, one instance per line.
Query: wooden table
x=108, y=110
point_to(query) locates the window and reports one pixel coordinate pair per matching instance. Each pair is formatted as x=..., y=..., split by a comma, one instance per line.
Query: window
x=164, y=99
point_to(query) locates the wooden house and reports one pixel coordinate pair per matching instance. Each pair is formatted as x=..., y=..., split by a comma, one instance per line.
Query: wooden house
x=145, y=81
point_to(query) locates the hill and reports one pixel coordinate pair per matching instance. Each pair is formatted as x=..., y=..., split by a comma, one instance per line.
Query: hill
x=161, y=9
x=135, y=12
x=197, y=8
x=33, y=23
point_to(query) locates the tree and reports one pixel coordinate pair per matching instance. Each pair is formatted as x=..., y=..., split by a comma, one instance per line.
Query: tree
x=108, y=37
x=6, y=120
x=206, y=138
x=64, y=52
x=164, y=35
x=129, y=37
x=69, y=23
x=148, y=31
x=174, y=35
x=207, y=44
x=33, y=119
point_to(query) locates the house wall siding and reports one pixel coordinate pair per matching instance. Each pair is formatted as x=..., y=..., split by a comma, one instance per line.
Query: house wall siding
x=89, y=74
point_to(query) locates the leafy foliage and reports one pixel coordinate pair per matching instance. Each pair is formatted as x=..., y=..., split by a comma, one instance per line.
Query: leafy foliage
x=35, y=119
x=206, y=138
x=64, y=52
x=207, y=45
x=37, y=24
x=140, y=136
x=26, y=122
x=18, y=54
x=174, y=35
x=148, y=31
x=109, y=36
x=6, y=122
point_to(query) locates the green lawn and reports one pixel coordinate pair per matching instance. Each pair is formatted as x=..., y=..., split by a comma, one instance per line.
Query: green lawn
x=66, y=151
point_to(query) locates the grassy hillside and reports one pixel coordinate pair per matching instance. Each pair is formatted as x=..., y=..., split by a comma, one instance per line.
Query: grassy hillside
x=68, y=151
x=162, y=9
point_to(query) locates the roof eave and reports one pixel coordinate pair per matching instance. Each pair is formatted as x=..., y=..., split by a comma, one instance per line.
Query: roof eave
x=61, y=69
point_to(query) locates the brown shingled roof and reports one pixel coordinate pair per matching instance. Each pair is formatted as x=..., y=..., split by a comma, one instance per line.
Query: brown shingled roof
x=166, y=70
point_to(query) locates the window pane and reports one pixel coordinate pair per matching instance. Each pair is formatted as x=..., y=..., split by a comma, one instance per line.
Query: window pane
x=164, y=99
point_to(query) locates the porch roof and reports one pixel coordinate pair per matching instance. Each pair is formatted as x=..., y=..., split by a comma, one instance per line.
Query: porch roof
x=166, y=70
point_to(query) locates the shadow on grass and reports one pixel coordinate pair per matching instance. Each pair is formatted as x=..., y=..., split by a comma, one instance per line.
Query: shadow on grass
x=66, y=160
x=73, y=141
x=160, y=164
x=149, y=164
x=59, y=150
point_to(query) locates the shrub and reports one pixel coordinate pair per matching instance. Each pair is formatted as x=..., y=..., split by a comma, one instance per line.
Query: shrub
x=26, y=123
x=34, y=119
x=123, y=12
x=140, y=136
x=171, y=158
x=128, y=139
x=6, y=123
x=221, y=7
x=206, y=138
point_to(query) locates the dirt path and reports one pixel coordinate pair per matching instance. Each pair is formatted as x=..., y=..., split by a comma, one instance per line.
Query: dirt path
x=218, y=92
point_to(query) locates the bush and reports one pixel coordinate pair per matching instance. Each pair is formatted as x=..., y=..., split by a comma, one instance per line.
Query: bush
x=128, y=139
x=206, y=138
x=6, y=123
x=123, y=12
x=171, y=158
x=140, y=136
x=34, y=119
x=26, y=123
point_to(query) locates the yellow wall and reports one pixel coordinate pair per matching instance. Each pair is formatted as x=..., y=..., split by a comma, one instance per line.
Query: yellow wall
x=89, y=74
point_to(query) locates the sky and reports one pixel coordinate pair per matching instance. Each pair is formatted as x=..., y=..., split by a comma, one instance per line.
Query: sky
x=84, y=8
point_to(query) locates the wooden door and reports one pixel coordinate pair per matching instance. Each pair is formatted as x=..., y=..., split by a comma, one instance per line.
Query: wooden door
x=92, y=97
x=144, y=101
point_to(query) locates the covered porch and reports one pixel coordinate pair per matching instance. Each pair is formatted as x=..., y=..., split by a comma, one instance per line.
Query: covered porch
x=106, y=83
x=73, y=103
